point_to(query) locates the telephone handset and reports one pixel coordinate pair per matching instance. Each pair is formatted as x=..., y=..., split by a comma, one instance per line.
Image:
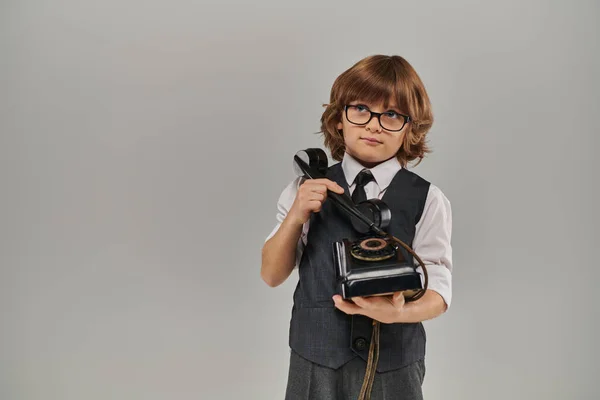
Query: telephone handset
x=312, y=163
x=373, y=264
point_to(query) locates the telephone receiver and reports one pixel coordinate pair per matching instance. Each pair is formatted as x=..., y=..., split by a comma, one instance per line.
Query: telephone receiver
x=369, y=216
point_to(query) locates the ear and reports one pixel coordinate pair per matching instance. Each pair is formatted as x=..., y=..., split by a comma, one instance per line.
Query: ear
x=339, y=126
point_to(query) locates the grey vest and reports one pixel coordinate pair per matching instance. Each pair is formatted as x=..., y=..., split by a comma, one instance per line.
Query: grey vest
x=325, y=335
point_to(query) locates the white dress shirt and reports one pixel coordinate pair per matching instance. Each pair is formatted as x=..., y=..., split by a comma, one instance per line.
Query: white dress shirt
x=432, y=240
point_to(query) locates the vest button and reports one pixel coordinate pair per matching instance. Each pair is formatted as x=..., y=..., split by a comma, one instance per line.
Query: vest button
x=360, y=343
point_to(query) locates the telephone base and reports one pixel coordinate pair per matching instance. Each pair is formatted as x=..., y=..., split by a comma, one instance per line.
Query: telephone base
x=357, y=277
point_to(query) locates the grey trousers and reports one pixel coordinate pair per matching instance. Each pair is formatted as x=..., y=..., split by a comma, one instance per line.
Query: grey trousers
x=309, y=381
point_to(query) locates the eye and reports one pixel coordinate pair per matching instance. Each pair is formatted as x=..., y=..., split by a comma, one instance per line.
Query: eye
x=361, y=108
x=391, y=114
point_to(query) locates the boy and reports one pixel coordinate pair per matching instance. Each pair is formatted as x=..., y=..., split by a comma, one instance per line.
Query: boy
x=375, y=124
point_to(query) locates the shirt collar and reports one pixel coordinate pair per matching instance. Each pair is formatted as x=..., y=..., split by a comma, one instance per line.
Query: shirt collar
x=383, y=173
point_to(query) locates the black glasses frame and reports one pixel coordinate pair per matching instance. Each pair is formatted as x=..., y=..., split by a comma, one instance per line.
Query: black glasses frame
x=407, y=118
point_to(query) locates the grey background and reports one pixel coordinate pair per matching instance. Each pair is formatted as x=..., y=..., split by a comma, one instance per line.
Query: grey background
x=144, y=145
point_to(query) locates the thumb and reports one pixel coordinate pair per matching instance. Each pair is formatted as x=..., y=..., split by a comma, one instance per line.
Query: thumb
x=398, y=298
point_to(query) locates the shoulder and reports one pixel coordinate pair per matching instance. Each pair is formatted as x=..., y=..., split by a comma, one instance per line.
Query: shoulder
x=433, y=191
x=436, y=210
x=434, y=203
x=437, y=200
x=436, y=193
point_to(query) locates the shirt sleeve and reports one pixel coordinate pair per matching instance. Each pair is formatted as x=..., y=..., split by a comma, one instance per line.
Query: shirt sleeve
x=286, y=199
x=432, y=242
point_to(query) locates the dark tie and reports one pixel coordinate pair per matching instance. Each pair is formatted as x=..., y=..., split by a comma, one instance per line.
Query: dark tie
x=364, y=177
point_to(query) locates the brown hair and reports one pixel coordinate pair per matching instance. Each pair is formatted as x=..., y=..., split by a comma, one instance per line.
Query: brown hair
x=381, y=78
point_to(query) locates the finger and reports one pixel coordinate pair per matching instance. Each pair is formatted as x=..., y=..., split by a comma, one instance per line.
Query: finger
x=375, y=303
x=362, y=302
x=325, y=184
x=317, y=188
x=398, y=298
x=315, y=205
x=334, y=187
x=312, y=184
x=317, y=196
x=345, y=306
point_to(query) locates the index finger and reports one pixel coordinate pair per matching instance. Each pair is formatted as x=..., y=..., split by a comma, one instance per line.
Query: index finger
x=331, y=185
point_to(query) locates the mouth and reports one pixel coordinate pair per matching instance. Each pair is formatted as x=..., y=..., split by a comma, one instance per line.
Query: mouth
x=370, y=140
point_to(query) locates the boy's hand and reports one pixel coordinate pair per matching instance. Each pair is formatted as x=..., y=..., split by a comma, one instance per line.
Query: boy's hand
x=310, y=197
x=385, y=309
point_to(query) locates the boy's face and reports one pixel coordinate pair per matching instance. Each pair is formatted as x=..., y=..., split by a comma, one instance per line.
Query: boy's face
x=371, y=144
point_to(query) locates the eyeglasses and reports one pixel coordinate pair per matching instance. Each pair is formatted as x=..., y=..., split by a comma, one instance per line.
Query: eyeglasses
x=389, y=120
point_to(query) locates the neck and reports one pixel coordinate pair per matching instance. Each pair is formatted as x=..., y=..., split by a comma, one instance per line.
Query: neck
x=371, y=164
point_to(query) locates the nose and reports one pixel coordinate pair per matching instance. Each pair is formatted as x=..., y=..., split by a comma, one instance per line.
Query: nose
x=374, y=125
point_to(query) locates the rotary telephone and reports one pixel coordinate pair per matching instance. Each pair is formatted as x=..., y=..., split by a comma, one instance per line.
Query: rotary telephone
x=373, y=264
